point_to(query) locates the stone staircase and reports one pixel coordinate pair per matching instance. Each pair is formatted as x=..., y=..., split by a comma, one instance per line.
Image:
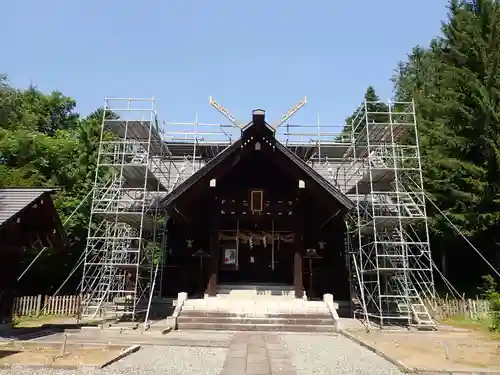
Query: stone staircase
x=256, y=308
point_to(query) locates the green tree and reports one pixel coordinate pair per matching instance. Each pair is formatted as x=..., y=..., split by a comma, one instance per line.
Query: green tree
x=455, y=86
x=370, y=110
x=44, y=142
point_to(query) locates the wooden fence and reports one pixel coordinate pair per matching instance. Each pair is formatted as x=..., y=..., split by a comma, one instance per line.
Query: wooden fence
x=46, y=305
x=462, y=308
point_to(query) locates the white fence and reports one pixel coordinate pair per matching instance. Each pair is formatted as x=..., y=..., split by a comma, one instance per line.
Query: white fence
x=462, y=308
x=46, y=305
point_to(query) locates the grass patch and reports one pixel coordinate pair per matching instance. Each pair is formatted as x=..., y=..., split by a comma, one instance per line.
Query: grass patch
x=480, y=325
x=33, y=322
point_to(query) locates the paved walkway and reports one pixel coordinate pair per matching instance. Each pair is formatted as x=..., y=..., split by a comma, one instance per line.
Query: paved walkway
x=257, y=354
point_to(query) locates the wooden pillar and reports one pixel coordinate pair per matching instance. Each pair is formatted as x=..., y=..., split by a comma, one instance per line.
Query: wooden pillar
x=298, y=251
x=214, y=248
x=214, y=263
x=297, y=273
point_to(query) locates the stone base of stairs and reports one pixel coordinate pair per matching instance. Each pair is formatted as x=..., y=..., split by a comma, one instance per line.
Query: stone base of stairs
x=246, y=322
x=256, y=308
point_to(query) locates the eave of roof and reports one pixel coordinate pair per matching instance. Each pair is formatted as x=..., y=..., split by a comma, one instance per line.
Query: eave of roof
x=347, y=203
x=191, y=180
x=14, y=200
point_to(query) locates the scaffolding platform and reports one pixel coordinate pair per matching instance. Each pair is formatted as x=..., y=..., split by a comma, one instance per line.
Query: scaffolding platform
x=199, y=148
x=135, y=220
x=378, y=133
x=133, y=130
x=137, y=175
x=146, y=132
x=378, y=179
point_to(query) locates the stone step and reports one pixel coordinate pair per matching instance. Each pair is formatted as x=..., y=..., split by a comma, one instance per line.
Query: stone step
x=271, y=302
x=245, y=291
x=255, y=308
x=248, y=294
x=274, y=303
x=254, y=286
x=268, y=302
x=255, y=327
x=253, y=311
x=230, y=315
x=280, y=321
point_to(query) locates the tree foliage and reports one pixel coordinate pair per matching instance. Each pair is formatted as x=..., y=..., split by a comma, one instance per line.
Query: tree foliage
x=454, y=81
x=455, y=84
x=370, y=110
x=45, y=143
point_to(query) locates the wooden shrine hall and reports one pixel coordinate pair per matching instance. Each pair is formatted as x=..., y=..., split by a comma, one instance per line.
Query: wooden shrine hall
x=256, y=213
x=28, y=220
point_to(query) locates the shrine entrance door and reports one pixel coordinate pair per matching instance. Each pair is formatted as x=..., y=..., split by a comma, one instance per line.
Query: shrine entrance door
x=255, y=262
x=256, y=256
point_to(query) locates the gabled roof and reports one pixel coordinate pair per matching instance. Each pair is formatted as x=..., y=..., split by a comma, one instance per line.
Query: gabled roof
x=258, y=127
x=32, y=207
x=15, y=200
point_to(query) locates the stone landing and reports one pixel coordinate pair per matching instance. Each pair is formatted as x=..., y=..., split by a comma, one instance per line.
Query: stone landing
x=256, y=291
x=256, y=308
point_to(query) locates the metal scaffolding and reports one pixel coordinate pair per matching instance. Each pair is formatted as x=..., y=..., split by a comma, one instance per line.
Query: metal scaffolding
x=374, y=160
x=126, y=225
x=388, y=245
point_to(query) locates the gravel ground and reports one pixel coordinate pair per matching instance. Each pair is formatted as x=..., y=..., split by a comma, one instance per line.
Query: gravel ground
x=310, y=354
x=334, y=355
x=150, y=361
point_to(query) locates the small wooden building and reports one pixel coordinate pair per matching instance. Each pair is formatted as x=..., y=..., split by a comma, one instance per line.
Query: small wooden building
x=257, y=213
x=28, y=219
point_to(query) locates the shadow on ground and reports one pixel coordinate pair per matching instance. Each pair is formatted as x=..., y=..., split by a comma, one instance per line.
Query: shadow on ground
x=28, y=333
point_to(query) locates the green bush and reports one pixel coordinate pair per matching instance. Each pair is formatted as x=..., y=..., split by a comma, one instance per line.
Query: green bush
x=495, y=311
x=15, y=320
x=489, y=292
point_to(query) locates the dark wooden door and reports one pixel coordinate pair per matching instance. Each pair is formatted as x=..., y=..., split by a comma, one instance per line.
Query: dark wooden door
x=255, y=263
x=283, y=267
x=260, y=260
x=244, y=267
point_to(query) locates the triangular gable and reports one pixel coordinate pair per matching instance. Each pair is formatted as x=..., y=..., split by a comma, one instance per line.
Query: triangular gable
x=258, y=127
x=25, y=205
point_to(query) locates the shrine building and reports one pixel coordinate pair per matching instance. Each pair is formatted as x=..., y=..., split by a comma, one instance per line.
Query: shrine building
x=256, y=214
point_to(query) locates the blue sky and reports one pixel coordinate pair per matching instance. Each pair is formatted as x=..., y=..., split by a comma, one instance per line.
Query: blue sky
x=246, y=54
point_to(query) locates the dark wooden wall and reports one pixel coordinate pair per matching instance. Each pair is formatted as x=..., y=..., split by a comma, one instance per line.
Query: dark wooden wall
x=35, y=227
x=10, y=261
